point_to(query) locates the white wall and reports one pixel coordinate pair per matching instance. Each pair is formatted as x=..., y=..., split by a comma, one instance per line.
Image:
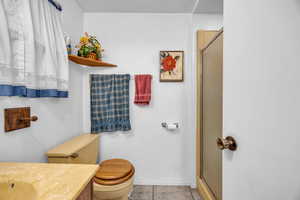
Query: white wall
x=133, y=41
x=262, y=99
x=207, y=22
x=59, y=119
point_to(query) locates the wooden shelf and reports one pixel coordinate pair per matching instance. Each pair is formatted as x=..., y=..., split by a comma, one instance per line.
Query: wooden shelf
x=89, y=62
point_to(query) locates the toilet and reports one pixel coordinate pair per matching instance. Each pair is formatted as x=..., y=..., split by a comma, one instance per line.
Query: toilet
x=113, y=180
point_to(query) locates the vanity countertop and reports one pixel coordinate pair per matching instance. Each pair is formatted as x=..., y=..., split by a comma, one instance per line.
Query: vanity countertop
x=50, y=181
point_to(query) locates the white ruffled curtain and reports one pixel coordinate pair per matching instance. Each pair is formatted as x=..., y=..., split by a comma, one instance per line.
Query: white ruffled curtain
x=33, y=56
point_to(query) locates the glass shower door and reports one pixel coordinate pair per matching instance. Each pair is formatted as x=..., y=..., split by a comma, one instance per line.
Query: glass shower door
x=212, y=88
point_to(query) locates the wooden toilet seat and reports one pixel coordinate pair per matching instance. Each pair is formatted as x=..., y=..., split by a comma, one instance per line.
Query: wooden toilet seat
x=114, y=171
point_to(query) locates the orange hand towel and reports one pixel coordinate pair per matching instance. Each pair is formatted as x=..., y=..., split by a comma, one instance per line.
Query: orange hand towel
x=143, y=89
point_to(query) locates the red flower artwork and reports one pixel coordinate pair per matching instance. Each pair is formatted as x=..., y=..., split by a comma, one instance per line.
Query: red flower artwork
x=168, y=63
x=171, y=66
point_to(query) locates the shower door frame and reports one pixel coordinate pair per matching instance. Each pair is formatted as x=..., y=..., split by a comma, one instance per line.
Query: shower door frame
x=204, y=39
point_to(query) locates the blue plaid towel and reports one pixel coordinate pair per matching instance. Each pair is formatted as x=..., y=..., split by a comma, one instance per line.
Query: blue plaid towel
x=110, y=103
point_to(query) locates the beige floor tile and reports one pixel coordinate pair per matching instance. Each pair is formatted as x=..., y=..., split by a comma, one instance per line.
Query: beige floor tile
x=195, y=194
x=172, y=193
x=163, y=188
x=142, y=192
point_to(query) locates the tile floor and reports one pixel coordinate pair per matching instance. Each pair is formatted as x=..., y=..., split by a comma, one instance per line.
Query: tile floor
x=156, y=192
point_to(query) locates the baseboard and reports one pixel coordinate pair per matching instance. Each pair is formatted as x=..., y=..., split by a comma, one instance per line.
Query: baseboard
x=194, y=185
x=162, y=181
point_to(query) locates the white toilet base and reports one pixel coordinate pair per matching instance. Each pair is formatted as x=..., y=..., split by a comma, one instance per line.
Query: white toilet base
x=113, y=192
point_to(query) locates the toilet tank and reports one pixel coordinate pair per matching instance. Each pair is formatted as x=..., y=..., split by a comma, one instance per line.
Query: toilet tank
x=82, y=149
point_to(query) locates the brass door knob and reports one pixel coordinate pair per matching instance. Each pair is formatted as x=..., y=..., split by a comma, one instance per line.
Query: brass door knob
x=227, y=143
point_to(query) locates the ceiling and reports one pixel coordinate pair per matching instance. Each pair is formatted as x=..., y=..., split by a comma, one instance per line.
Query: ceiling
x=153, y=6
x=209, y=6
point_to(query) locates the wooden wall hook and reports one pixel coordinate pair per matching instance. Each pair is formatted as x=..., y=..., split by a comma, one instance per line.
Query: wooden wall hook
x=17, y=118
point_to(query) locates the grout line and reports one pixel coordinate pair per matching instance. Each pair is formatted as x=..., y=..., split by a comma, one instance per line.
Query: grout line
x=191, y=193
x=152, y=192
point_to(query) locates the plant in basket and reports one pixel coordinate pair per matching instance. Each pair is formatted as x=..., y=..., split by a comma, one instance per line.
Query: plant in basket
x=89, y=47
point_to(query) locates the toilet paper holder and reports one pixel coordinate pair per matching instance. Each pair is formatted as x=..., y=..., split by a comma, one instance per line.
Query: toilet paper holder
x=165, y=124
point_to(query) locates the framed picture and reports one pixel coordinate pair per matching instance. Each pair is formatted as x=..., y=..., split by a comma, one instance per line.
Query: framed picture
x=171, y=66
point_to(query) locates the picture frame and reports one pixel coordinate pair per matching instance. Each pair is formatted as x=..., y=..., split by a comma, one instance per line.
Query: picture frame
x=171, y=66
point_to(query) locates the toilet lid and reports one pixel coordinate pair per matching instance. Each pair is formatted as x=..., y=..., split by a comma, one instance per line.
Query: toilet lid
x=115, y=181
x=114, y=169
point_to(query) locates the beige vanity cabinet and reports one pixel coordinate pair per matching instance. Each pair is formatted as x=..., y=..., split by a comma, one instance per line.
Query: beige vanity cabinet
x=87, y=193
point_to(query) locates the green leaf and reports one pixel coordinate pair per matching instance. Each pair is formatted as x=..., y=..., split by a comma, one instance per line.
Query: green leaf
x=79, y=53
